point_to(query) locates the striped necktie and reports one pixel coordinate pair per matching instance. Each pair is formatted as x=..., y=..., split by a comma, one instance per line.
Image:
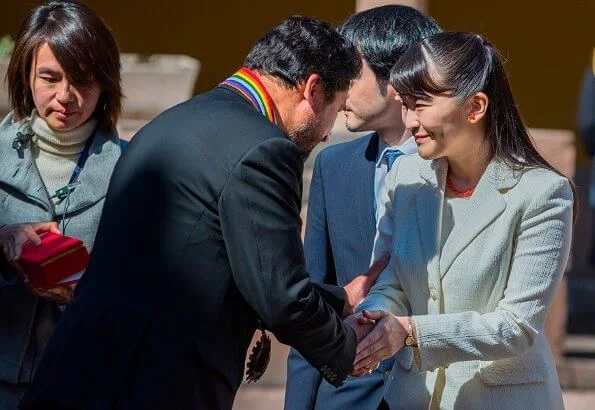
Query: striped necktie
x=391, y=157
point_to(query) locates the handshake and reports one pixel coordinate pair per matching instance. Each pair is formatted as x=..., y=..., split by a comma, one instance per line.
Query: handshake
x=379, y=334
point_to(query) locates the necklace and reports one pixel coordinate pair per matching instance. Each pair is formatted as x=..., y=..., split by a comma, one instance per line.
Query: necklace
x=457, y=192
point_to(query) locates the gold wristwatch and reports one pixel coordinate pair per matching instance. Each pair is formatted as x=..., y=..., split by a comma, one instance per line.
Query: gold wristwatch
x=410, y=340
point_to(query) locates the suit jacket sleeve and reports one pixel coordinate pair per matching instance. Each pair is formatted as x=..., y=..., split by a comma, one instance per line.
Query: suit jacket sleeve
x=303, y=380
x=8, y=275
x=259, y=209
x=334, y=295
x=586, y=111
x=6, y=272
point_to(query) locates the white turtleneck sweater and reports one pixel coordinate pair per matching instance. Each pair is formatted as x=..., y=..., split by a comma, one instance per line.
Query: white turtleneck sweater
x=56, y=153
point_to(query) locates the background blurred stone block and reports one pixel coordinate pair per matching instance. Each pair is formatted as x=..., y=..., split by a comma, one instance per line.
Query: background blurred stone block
x=557, y=147
x=152, y=84
x=4, y=106
x=421, y=5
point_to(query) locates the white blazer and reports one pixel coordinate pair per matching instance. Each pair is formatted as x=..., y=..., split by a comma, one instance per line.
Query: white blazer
x=480, y=302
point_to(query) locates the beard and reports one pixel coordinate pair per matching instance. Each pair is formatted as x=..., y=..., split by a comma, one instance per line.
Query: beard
x=306, y=137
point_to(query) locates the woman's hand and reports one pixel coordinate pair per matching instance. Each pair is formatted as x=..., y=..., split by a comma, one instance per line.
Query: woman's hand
x=13, y=237
x=387, y=337
x=61, y=294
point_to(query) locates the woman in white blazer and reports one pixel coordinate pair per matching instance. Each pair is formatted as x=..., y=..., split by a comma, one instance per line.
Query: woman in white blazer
x=478, y=248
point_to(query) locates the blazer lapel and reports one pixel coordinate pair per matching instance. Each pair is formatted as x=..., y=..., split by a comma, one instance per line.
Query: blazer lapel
x=362, y=190
x=485, y=206
x=95, y=175
x=428, y=202
x=18, y=169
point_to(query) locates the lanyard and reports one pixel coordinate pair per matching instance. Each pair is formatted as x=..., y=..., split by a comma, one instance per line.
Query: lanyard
x=63, y=192
x=81, y=162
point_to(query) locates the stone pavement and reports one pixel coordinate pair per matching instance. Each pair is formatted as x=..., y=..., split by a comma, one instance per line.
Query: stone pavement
x=269, y=392
x=578, y=399
x=271, y=398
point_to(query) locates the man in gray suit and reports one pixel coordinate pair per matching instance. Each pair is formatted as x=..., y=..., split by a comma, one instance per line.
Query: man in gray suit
x=346, y=183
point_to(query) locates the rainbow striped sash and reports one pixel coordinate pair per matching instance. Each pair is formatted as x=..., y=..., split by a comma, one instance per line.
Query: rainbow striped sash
x=247, y=84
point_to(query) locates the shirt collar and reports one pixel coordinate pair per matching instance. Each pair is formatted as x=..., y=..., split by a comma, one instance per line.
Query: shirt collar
x=408, y=147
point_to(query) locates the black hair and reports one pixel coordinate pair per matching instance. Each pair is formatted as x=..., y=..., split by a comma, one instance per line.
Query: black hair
x=460, y=65
x=301, y=46
x=383, y=34
x=83, y=45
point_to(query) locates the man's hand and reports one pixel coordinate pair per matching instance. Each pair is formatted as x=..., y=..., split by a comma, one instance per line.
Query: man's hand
x=361, y=328
x=387, y=337
x=359, y=287
x=13, y=237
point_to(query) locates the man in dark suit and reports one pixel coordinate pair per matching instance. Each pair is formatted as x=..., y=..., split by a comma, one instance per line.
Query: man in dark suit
x=199, y=242
x=346, y=181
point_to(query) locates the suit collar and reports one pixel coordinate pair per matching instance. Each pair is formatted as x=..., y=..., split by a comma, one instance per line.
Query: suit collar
x=370, y=147
x=362, y=185
x=486, y=204
x=428, y=203
x=407, y=148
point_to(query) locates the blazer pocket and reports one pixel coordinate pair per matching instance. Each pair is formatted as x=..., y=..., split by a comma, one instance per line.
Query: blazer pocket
x=404, y=358
x=517, y=370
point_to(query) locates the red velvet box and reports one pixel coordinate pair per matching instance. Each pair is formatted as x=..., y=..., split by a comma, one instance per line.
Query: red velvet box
x=59, y=260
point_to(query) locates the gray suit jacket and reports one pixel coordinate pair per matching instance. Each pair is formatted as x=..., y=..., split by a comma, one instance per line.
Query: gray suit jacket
x=23, y=198
x=339, y=237
x=481, y=300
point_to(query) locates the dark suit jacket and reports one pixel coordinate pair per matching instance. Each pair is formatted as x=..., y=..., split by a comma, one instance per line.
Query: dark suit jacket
x=200, y=237
x=339, y=238
x=586, y=110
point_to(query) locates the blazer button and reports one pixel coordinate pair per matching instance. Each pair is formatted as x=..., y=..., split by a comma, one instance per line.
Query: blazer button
x=433, y=294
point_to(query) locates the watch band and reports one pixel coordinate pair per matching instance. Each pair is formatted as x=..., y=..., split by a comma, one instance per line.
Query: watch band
x=410, y=340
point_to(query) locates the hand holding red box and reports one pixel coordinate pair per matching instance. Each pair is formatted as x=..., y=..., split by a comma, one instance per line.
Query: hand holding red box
x=58, y=261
